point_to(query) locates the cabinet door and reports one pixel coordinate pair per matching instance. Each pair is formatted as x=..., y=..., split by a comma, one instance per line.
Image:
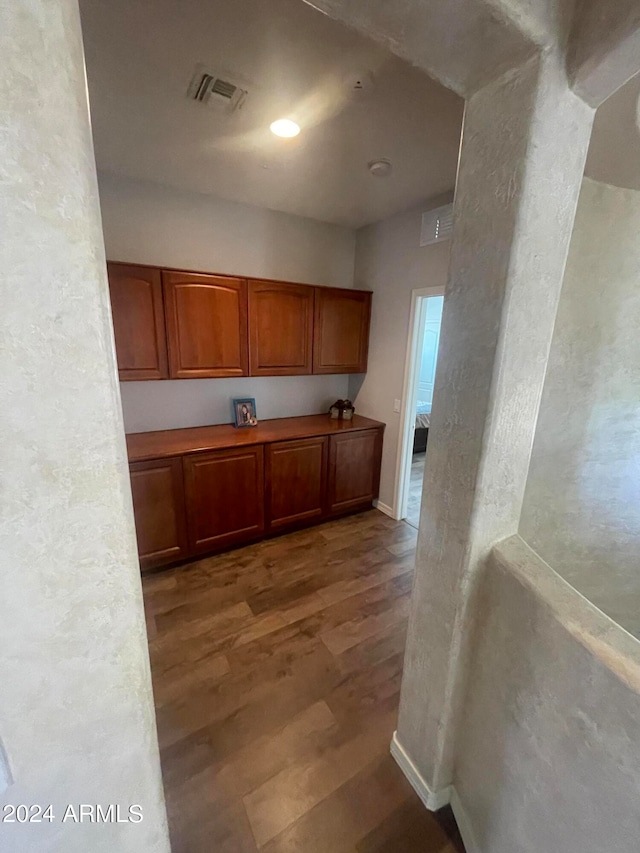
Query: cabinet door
x=158, y=505
x=225, y=497
x=280, y=328
x=296, y=481
x=206, y=325
x=138, y=321
x=354, y=470
x=341, y=330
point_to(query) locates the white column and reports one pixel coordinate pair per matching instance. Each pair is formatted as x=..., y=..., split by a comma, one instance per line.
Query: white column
x=76, y=713
x=524, y=144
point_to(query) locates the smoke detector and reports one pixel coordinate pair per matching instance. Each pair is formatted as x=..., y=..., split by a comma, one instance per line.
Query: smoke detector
x=215, y=90
x=380, y=168
x=359, y=82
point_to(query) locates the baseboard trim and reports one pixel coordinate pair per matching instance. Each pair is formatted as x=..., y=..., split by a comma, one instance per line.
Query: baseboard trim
x=433, y=800
x=464, y=824
x=387, y=510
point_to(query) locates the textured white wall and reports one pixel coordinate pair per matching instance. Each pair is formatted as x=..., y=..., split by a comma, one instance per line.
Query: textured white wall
x=390, y=261
x=151, y=224
x=603, y=48
x=76, y=709
x=582, y=503
x=524, y=144
x=547, y=760
x=539, y=698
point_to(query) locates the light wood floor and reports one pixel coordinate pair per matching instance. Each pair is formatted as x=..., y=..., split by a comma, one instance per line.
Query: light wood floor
x=276, y=672
x=415, y=489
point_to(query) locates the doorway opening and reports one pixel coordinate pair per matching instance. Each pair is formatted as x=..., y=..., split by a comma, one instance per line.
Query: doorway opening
x=420, y=372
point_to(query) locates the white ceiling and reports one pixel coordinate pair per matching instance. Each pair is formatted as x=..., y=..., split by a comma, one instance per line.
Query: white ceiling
x=614, y=152
x=294, y=61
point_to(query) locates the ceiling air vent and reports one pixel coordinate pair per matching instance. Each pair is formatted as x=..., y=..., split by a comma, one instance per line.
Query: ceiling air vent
x=436, y=225
x=211, y=89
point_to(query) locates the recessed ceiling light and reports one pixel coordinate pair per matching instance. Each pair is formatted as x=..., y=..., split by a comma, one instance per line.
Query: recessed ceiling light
x=380, y=168
x=285, y=127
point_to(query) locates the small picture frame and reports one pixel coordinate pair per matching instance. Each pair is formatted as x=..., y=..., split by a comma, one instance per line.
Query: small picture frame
x=244, y=412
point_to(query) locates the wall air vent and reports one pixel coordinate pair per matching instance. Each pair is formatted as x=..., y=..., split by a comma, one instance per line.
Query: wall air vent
x=437, y=225
x=206, y=87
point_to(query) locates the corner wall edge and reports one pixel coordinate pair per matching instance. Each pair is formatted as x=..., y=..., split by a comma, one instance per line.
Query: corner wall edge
x=433, y=800
x=387, y=510
x=464, y=824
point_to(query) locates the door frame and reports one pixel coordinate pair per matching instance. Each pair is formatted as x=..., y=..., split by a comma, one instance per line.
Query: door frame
x=409, y=397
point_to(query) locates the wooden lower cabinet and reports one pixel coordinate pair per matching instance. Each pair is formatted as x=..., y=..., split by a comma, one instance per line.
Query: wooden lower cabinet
x=354, y=470
x=296, y=473
x=158, y=504
x=213, y=488
x=224, y=497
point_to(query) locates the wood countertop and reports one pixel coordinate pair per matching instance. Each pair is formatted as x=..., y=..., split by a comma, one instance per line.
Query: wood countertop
x=179, y=442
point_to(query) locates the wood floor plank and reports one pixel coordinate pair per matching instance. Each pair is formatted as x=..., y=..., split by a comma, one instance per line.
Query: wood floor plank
x=346, y=587
x=173, y=644
x=222, y=782
x=195, y=605
x=276, y=672
x=411, y=829
x=248, y=697
x=348, y=814
x=192, y=641
x=182, y=677
x=357, y=692
x=373, y=650
x=226, y=831
x=353, y=632
x=299, y=636
x=284, y=798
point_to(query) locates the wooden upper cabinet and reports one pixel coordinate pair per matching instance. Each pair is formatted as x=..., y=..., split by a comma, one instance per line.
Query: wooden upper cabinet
x=138, y=321
x=206, y=325
x=341, y=330
x=280, y=328
x=182, y=325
